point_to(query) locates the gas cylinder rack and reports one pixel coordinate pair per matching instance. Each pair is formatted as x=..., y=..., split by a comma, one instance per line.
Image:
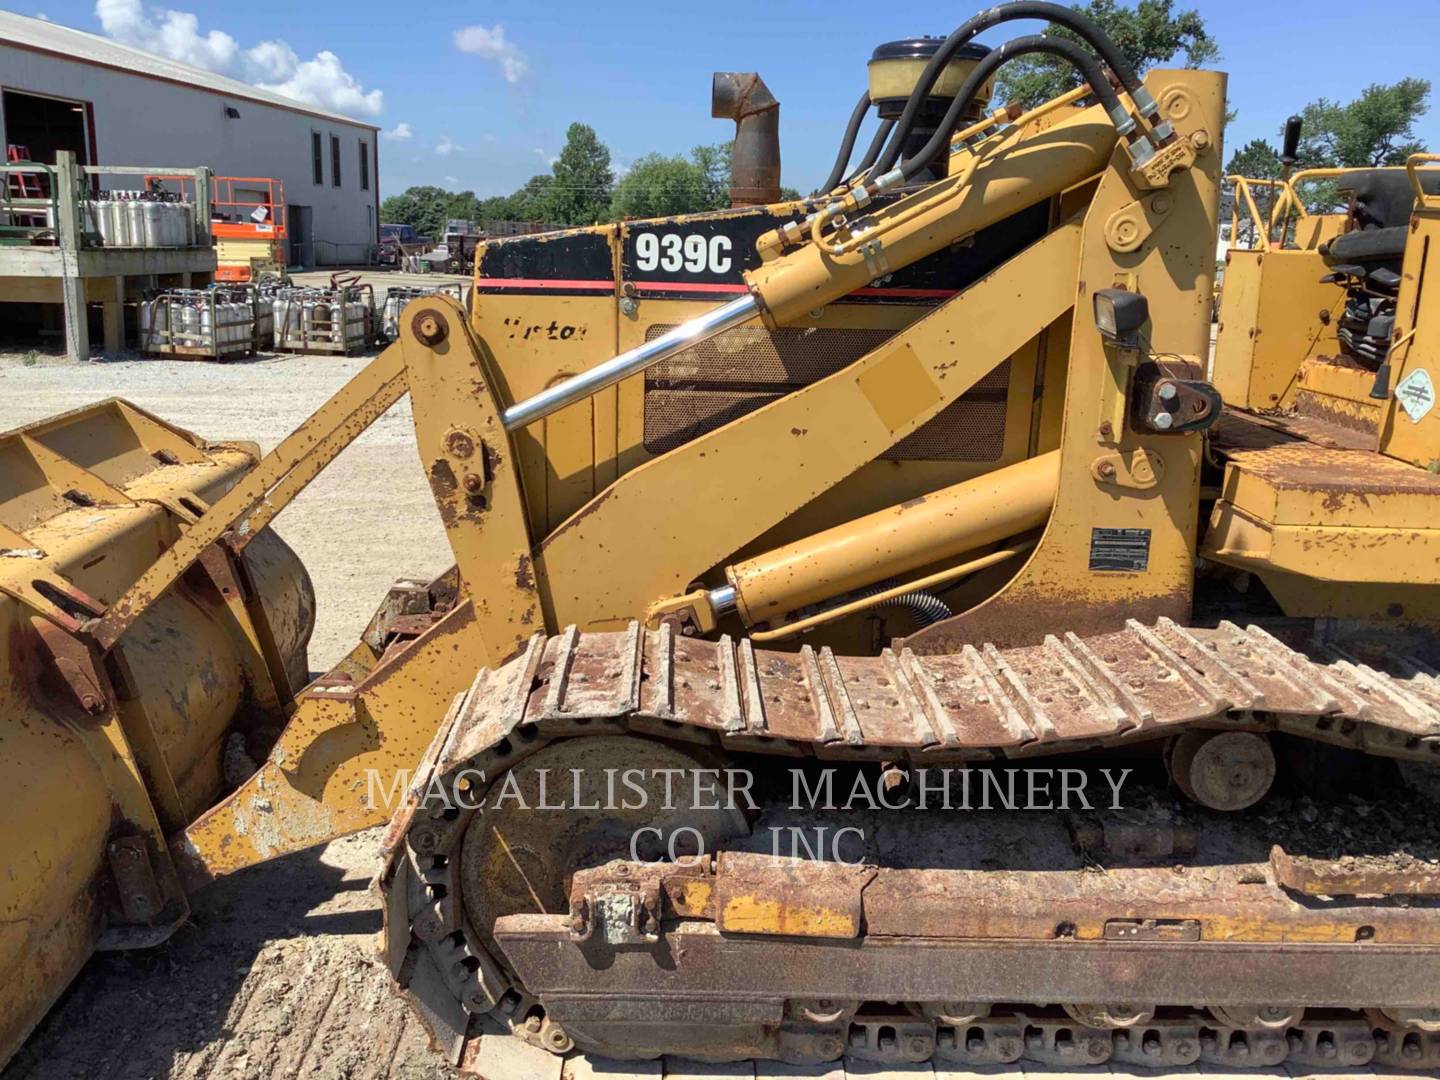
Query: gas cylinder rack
x=222, y=322
x=340, y=320
x=397, y=296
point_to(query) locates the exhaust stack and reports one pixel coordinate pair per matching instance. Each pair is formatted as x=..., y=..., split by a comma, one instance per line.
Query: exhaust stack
x=742, y=96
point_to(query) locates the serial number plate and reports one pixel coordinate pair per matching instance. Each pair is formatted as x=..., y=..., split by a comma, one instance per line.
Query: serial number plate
x=1120, y=549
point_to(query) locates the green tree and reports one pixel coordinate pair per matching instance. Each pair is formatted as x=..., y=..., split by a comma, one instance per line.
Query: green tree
x=714, y=161
x=424, y=207
x=1377, y=128
x=660, y=186
x=1257, y=160
x=580, y=193
x=533, y=201
x=1149, y=33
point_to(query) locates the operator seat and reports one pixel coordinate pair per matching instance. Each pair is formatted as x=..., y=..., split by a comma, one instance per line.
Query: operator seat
x=1367, y=261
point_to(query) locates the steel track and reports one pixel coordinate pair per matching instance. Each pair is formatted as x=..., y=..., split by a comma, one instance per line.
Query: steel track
x=1067, y=694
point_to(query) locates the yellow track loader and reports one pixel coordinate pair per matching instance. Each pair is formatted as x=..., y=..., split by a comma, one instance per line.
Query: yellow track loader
x=871, y=635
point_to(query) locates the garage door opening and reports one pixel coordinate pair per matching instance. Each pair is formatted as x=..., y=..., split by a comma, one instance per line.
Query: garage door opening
x=44, y=126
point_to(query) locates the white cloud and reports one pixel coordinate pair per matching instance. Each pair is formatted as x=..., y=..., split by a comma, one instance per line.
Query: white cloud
x=546, y=156
x=492, y=44
x=324, y=81
x=451, y=180
x=399, y=131
x=271, y=60
x=271, y=65
x=447, y=146
x=42, y=16
x=175, y=34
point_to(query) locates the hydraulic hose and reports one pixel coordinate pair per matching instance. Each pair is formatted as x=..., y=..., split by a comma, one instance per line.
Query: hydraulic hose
x=1083, y=62
x=1069, y=18
x=847, y=144
x=881, y=134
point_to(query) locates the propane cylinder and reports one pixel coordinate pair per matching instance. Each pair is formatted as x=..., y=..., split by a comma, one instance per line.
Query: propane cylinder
x=190, y=325
x=135, y=221
x=152, y=216
x=119, y=220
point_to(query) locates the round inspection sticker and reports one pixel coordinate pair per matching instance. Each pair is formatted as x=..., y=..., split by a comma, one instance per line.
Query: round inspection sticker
x=1416, y=394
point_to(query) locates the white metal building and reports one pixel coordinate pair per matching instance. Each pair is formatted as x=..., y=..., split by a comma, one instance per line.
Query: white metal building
x=111, y=104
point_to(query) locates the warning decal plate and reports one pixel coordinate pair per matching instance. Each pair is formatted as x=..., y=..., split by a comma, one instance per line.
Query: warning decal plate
x=1416, y=394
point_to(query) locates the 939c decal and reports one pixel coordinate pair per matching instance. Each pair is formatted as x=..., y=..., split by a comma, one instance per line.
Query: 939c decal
x=691, y=253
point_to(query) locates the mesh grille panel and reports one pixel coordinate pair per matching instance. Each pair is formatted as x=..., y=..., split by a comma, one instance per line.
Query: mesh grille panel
x=710, y=384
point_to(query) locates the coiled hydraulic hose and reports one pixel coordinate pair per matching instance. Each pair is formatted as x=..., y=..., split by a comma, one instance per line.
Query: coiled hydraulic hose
x=1083, y=62
x=847, y=144
x=926, y=607
x=1067, y=17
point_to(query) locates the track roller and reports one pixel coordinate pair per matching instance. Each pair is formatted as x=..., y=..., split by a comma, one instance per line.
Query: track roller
x=1258, y=1017
x=1223, y=770
x=1109, y=1016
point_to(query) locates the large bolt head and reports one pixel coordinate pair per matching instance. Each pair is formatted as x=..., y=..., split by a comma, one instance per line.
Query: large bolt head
x=430, y=327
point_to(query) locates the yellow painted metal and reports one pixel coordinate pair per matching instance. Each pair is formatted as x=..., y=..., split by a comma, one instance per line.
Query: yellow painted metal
x=735, y=481
x=895, y=78
x=930, y=529
x=132, y=747
x=569, y=457
x=345, y=758
x=1327, y=515
x=473, y=476
x=250, y=505
x=1415, y=355
x=1173, y=270
x=930, y=581
x=1338, y=393
x=1413, y=164
x=1011, y=171
x=1274, y=313
x=692, y=509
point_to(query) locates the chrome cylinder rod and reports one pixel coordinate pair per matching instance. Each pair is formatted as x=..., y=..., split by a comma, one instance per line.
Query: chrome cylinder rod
x=581, y=386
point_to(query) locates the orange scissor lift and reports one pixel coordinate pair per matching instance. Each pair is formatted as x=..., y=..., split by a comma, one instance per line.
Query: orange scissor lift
x=247, y=219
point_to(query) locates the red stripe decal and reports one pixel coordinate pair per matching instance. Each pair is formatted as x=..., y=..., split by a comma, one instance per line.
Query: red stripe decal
x=693, y=286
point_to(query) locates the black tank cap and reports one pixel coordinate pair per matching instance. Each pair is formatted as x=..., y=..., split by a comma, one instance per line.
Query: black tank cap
x=922, y=48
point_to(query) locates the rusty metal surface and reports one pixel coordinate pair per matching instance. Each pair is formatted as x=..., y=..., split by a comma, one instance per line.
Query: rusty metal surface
x=1312, y=877
x=697, y=956
x=757, y=894
x=1068, y=693
x=704, y=958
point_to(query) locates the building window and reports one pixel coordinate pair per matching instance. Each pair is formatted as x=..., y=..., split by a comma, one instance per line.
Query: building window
x=317, y=158
x=364, y=166
x=334, y=160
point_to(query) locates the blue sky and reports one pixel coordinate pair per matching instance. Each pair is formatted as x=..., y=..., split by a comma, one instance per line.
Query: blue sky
x=489, y=117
